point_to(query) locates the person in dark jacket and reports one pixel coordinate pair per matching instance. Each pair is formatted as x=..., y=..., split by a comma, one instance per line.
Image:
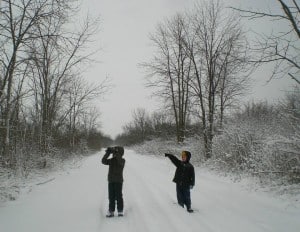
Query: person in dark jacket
x=184, y=178
x=115, y=179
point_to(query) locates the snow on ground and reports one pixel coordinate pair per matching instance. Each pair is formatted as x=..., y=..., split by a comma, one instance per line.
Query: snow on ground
x=17, y=182
x=77, y=202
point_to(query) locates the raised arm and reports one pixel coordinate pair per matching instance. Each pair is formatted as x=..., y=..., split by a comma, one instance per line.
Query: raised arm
x=105, y=159
x=174, y=159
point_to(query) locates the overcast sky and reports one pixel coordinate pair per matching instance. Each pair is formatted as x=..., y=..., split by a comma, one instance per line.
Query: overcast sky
x=123, y=37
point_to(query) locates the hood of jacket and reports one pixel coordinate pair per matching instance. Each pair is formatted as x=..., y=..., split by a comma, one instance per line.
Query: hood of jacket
x=188, y=156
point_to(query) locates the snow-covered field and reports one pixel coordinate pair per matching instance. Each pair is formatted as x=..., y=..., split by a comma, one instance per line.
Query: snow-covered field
x=77, y=201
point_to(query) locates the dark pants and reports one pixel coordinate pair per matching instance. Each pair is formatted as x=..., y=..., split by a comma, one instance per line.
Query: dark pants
x=183, y=195
x=115, y=194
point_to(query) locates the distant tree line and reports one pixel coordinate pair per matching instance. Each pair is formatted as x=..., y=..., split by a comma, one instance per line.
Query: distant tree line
x=146, y=126
x=45, y=104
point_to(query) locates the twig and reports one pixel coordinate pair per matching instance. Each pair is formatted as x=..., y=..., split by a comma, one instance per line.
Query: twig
x=47, y=181
x=277, y=172
x=294, y=78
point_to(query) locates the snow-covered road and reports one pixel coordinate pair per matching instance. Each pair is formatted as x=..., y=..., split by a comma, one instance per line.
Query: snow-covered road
x=77, y=202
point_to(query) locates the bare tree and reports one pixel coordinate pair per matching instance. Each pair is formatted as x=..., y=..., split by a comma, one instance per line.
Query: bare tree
x=55, y=57
x=90, y=120
x=281, y=47
x=17, y=21
x=235, y=81
x=41, y=58
x=170, y=69
x=216, y=48
x=79, y=96
x=141, y=122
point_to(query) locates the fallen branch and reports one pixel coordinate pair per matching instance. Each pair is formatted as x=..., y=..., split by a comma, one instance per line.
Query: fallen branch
x=45, y=182
x=268, y=172
x=272, y=172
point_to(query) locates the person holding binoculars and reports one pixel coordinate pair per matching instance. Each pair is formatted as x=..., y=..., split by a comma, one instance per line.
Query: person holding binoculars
x=115, y=179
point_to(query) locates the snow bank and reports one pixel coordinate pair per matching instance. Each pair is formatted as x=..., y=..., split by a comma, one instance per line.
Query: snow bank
x=221, y=167
x=20, y=181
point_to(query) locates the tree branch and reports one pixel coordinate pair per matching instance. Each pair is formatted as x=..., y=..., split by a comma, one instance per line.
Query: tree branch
x=294, y=78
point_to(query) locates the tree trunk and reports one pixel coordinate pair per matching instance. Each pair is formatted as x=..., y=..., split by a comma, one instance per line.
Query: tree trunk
x=6, y=149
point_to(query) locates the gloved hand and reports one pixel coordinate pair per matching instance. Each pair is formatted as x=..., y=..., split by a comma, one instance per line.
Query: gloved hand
x=167, y=155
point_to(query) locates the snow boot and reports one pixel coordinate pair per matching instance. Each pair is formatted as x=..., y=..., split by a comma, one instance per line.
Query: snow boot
x=190, y=210
x=120, y=214
x=110, y=214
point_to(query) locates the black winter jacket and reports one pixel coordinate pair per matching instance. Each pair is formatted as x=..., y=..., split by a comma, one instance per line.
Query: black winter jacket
x=185, y=173
x=116, y=166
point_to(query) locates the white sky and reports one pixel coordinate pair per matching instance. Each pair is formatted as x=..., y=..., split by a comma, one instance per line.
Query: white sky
x=125, y=27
